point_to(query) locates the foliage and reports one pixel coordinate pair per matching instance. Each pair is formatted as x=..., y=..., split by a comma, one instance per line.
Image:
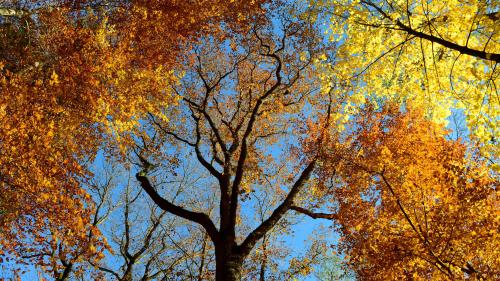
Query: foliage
x=332, y=268
x=278, y=120
x=411, y=203
x=442, y=55
x=77, y=76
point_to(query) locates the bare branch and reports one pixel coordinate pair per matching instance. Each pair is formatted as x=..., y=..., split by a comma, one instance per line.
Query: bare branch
x=313, y=214
x=164, y=204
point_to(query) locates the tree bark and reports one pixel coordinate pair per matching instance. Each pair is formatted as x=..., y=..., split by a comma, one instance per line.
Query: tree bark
x=228, y=263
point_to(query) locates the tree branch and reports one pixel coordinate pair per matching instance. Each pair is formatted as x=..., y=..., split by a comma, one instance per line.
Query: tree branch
x=448, y=44
x=177, y=137
x=313, y=214
x=244, y=145
x=164, y=204
x=200, y=157
x=279, y=212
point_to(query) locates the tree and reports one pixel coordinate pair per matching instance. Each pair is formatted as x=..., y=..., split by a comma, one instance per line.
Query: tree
x=410, y=203
x=444, y=55
x=243, y=96
x=76, y=77
x=142, y=242
x=150, y=244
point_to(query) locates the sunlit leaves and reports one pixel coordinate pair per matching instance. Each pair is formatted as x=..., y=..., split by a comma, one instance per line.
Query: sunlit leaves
x=411, y=202
x=442, y=55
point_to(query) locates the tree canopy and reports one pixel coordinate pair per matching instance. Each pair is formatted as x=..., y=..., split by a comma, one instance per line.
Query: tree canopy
x=443, y=55
x=224, y=124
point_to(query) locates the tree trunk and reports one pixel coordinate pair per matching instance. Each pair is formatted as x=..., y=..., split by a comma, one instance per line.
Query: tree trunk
x=127, y=276
x=228, y=265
